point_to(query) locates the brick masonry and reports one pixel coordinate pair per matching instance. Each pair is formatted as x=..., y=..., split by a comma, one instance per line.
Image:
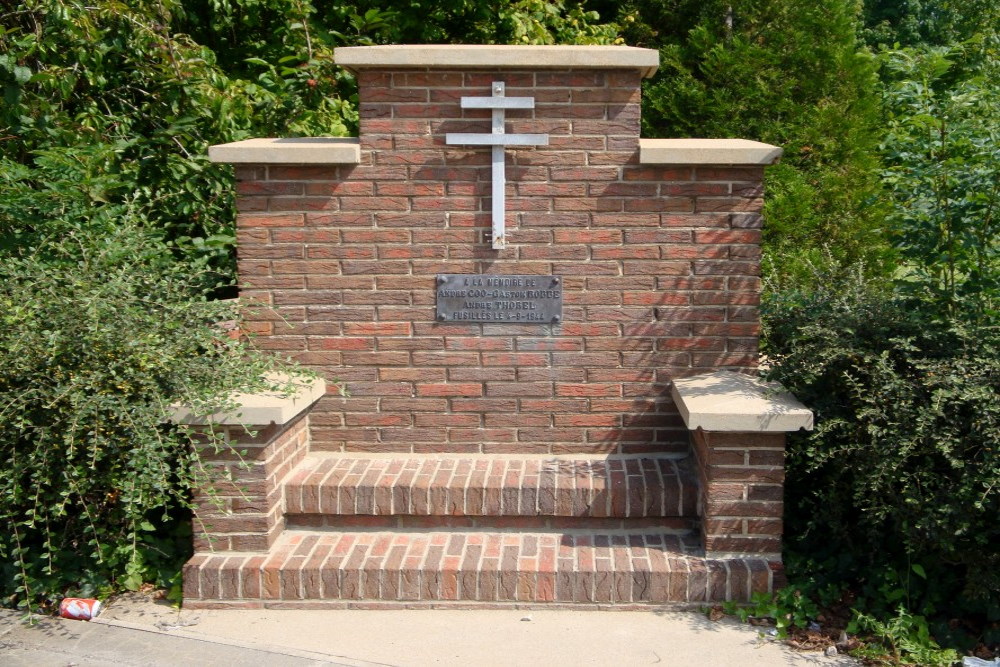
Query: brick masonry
x=245, y=509
x=472, y=567
x=498, y=487
x=659, y=263
x=741, y=481
x=496, y=464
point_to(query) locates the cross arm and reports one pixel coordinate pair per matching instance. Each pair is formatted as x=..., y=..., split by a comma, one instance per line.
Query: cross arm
x=473, y=139
x=496, y=102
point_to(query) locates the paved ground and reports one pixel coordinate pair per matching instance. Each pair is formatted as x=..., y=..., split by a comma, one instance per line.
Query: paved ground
x=137, y=631
x=55, y=642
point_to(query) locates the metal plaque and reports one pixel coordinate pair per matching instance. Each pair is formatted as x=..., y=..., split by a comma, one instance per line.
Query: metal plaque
x=512, y=299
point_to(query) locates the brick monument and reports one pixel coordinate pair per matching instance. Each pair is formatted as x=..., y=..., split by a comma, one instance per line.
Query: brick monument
x=536, y=315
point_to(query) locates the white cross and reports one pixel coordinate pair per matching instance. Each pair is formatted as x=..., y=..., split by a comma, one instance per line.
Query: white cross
x=498, y=139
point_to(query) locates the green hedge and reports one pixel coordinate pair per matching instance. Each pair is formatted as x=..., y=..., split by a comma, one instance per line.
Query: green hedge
x=102, y=330
x=897, y=489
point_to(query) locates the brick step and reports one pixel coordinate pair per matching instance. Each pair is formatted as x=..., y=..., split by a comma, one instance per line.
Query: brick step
x=314, y=569
x=448, y=486
x=405, y=522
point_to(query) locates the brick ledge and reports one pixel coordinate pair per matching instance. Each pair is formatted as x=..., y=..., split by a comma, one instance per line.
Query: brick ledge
x=455, y=605
x=263, y=408
x=295, y=150
x=472, y=487
x=469, y=56
x=636, y=568
x=707, y=151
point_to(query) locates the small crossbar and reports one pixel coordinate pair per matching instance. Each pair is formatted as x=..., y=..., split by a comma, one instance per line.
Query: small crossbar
x=472, y=139
x=498, y=102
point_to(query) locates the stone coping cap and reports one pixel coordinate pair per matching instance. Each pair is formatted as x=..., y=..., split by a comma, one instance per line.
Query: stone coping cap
x=468, y=56
x=261, y=409
x=707, y=151
x=728, y=401
x=347, y=150
x=300, y=150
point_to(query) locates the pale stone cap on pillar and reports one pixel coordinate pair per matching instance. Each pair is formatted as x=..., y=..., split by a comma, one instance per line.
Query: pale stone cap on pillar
x=470, y=56
x=296, y=150
x=728, y=401
x=707, y=151
x=261, y=409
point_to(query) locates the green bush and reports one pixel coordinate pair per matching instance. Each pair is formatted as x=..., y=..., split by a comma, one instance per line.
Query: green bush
x=108, y=73
x=897, y=489
x=102, y=331
x=787, y=72
x=895, y=23
x=942, y=157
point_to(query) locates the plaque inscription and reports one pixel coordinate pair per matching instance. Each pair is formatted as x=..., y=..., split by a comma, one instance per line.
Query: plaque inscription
x=514, y=299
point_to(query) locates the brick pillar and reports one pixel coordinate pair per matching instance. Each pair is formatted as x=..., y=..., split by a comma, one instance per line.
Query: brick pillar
x=240, y=504
x=738, y=425
x=244, y=511
x=742, y=485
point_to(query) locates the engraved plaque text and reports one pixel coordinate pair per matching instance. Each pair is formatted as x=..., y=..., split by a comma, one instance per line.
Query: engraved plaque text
x=513, y=299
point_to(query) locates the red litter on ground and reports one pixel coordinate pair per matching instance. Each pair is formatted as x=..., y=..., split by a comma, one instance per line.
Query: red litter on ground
x=80, y=609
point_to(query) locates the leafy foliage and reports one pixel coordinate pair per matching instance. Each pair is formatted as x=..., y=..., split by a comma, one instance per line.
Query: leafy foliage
x=113, y=74
x=787, y=608
x=492, y=22
x=942, y=150
x=917, y=23
x=902, y=473
x=103, y=330
x=906, y=637
x=895, y=492
x=790, y=73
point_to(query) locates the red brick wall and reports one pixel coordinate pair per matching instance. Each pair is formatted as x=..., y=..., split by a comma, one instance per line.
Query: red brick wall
x=245, y=510
x=659, y=268
x=741, y=482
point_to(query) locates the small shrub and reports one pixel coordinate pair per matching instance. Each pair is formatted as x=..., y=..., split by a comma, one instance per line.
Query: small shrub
x=102, y=332
x=787, y=608
x=902, y=473
x=902, y=639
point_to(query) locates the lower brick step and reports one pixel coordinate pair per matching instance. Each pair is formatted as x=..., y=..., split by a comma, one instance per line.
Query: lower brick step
x=449, y=486
x=312, y=569
x=488, y=524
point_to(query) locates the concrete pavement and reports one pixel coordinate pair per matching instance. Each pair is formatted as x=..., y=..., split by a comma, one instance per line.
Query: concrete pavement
x=53, y=642
x=137, y=631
